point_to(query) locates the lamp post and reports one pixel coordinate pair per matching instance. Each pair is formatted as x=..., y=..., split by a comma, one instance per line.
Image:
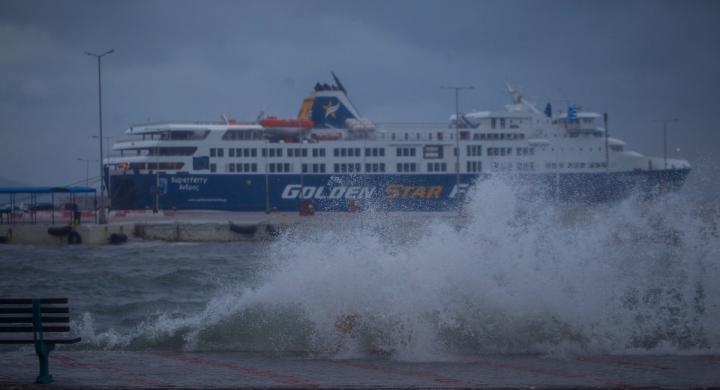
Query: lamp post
x=87, y=169
x=102, y=217
x=665, y=123
x=457, y=131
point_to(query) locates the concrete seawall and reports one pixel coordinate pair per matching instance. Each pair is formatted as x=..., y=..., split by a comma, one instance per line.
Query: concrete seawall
x=163, y=231
x=201, y=226
x=37, y=234
x=207, y=231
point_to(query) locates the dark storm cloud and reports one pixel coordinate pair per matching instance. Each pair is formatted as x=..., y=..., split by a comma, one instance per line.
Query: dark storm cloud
x=197, y=60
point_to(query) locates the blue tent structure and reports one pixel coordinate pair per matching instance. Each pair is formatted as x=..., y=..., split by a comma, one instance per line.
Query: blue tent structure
x=34, y=192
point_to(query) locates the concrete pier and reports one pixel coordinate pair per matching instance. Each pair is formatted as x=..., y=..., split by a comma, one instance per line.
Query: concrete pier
x=159, y=370
x=195, y=226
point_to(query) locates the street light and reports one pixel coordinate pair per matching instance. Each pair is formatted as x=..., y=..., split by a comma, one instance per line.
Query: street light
x=87, y=169
x=457, y=131
x=665, y=123
x=102, y=217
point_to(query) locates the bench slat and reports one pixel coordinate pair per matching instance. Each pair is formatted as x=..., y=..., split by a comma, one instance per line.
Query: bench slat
x=28, y=310
x=28, y=301
x=29, y=320
x=47, y=341
x=29, y=329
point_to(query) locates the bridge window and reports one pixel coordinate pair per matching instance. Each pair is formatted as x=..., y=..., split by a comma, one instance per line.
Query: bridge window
x=405, y=152
x=474, y=166
x=474, y=150
x=499, y=151
x=375, y=167
x=524, y=151
x=406, y=167
x=246, y=167
x=524, y=166
x=437, y=167
x=280, y=167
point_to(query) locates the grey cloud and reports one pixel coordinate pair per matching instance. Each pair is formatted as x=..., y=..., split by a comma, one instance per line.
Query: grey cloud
x=195, y=60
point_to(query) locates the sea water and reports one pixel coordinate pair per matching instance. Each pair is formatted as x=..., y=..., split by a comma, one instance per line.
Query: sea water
x=511, y=276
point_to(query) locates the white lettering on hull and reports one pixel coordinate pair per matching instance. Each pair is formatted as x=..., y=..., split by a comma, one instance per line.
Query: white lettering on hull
x=458, y=189
x=188, y=183
x=295, y=191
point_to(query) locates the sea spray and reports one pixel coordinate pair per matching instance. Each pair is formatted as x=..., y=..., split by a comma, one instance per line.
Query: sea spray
x=517, y=276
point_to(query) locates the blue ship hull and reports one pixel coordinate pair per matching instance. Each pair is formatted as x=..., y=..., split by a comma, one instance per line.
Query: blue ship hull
x=238, y=192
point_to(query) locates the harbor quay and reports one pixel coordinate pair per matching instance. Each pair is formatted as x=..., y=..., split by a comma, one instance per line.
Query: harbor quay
x=191, y=225
x=237, y=370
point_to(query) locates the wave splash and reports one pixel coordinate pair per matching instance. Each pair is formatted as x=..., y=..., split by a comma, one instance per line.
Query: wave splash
x=516, y=277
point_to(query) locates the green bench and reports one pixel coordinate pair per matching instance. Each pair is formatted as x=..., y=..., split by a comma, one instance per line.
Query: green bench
x=43, y=322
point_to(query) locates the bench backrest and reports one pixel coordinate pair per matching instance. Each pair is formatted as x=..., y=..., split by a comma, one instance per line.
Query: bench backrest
x=36, y=316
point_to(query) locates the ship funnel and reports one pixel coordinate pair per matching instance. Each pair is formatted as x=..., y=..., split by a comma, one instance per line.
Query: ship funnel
x=328, y=106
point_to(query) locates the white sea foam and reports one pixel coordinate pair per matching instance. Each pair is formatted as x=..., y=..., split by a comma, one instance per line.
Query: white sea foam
x=517, y=277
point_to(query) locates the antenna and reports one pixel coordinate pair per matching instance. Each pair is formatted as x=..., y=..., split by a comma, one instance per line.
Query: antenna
x=516, y=97
x=338, y=83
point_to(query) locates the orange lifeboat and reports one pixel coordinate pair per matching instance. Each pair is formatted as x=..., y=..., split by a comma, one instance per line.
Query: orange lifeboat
x=327, y=137
x=274, y=122
x=285, y=127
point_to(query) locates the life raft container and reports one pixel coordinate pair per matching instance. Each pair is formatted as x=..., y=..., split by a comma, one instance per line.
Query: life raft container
x=273, y=122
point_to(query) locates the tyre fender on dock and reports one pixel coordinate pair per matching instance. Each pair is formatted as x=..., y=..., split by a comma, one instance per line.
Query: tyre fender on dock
x=74, y=238
x=59, y=230
x=118, y=238
x=247, y=230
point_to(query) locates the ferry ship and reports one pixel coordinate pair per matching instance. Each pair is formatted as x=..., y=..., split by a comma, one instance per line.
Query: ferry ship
x=333, y=159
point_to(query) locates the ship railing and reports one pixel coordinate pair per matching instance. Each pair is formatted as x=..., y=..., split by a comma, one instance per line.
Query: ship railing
x=178, y=122
x=411, y=125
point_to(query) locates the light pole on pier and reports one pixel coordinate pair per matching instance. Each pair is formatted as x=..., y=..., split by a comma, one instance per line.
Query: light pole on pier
x=102, y=219
x=87, y=169
x=665, y=123
x=457, y=131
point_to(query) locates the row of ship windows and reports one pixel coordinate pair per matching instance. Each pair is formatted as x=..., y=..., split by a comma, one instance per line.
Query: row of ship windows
x=435, y=151
x=472, y=166
x=472, y=150
x=464, y=135
x=509, y=151
x=575, y=165
x=233, y=135
x=508, y=166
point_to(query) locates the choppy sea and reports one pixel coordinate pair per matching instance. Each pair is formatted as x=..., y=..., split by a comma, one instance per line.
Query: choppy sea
x=516, y=276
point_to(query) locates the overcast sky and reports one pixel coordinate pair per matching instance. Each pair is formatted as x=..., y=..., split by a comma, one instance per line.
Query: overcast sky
x=195, y=60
